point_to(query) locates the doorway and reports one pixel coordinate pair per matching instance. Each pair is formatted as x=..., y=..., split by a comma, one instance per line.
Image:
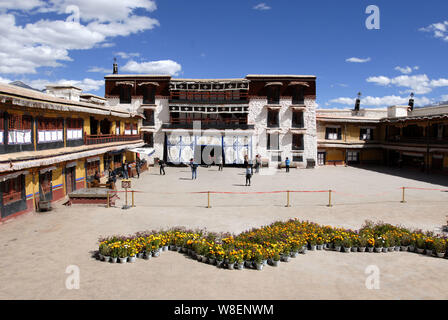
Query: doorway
x=70, y=179
x=321, y=158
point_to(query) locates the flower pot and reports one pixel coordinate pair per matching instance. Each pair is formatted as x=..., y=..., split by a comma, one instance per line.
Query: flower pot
x=385, y=250
x=265, y=262
x=390, y=249
x=178, y=248
x=313, y=247
x=100, y=257
x=319, y=247
x=259, y=266
x=397, y=248
x=429, y=252
x=362, y=249
x=148, y=255
x=199, y=258
x=370, y=249
x=239, y=265
x=347, y=249
x=404, y=248
x=231, y=266
x=248, y=264
x=219, y=263
x=294, y=254
x=155, y=253
x=113, y=259
x=303, y=250
x=440, y=254
x=204, y=259
x=354, y=249
x=211, y=261
x=285, y=258
x=106, y=258
x=378, y=249
x=184, y=250
x=140, y=255
x=123, y=260
x=420, y=250
x=274, y=263
x=337, y=248
x=172, y=247
x=132, y=259
x=165, y=248
x=411, y=248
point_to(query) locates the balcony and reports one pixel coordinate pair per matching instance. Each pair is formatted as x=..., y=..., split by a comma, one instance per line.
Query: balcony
x=107, y=138
x=418, y=140
x=231, y=124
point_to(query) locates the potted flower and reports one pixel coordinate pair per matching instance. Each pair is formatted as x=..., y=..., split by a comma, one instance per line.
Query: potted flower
x=319, y=243
x=386, y=244
x=285, y=256
x=312, y=243
x=148, y=251
x=132, y=252
x=231, y=261
x=397, y=243
x=440, y=247
x=355, y=243
x=105, y=252
x=405, y=242
x=429, y=243
x=219, y=257
x=114, y=253
x=412, y=243
x=379, y=243
x=347, y=244
x=258, y=260
x=370, y=244
x=362, y=242
x=275, y=259
x=123, y=254
x=420, y=244
x=337, y=243
x=240, y=260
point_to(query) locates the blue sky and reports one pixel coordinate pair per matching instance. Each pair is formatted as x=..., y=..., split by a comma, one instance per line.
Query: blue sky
x=44, y=42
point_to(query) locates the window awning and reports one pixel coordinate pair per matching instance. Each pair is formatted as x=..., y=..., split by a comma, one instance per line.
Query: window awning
x=273, y=84
x=12, y=175
x=71, y=164
x=125, y=83
x=93, y=159
x=298, y=83
x=156, y=84
x=145, y=151
x=45, y=170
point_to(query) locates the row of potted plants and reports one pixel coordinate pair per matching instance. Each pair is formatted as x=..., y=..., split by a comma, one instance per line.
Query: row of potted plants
x=269, y=244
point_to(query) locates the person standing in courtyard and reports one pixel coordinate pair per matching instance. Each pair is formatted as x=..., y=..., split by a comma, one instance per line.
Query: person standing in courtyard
x=162, y=166
x=137, y=168
x=194, y=169
x=248, y=174
x=287, y=164
x=257, y=163
x=124, y=169
x=219, y=162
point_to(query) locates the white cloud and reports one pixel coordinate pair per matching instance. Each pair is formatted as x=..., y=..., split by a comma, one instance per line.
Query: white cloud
x=262, y=6
x=125, y=55
x=419, y=84
x=86, y=84
x=153, y=67
x=5, y=80
x=381, y=101
x=444, y=97
x=407, y=69
x=439, y=30
x=46, y=43
x=357, y=60
x=99, y=69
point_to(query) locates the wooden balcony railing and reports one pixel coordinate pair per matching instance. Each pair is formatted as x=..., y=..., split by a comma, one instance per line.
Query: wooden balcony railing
x=107, y=138
x=187, y=123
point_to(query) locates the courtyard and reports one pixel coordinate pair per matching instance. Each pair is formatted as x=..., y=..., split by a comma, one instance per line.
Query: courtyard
x=36, y=248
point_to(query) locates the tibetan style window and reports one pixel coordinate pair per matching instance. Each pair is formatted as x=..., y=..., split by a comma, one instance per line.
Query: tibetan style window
x=148, y=138
x=74, y=129
x=297, y=158
x=149, y=94
x=50, y=130
x=125, y=94
x=117, y=128
x=298, y=95
x=273, y=94
x=19, y=129
x=333, y=133
x=273, y=141
x=149, y=115
x=297, y=142
x=2, y=128
x=297, y=119
x=273, y=118
x=366, y=134
x=127, y=129
x=12, y=190
x=92, y=166
x=134, y=130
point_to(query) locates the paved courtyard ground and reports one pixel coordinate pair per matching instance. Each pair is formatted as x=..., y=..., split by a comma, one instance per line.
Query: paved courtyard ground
x=36, y=248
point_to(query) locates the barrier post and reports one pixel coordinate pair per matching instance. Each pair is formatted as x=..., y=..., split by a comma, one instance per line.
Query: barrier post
x=208, y=199
x=133, y=205
x=287, y=199
x=329, y=199
x=108, y=200
x=402, y=198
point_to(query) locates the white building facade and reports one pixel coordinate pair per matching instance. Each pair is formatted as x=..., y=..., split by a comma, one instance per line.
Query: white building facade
x=228, y=120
